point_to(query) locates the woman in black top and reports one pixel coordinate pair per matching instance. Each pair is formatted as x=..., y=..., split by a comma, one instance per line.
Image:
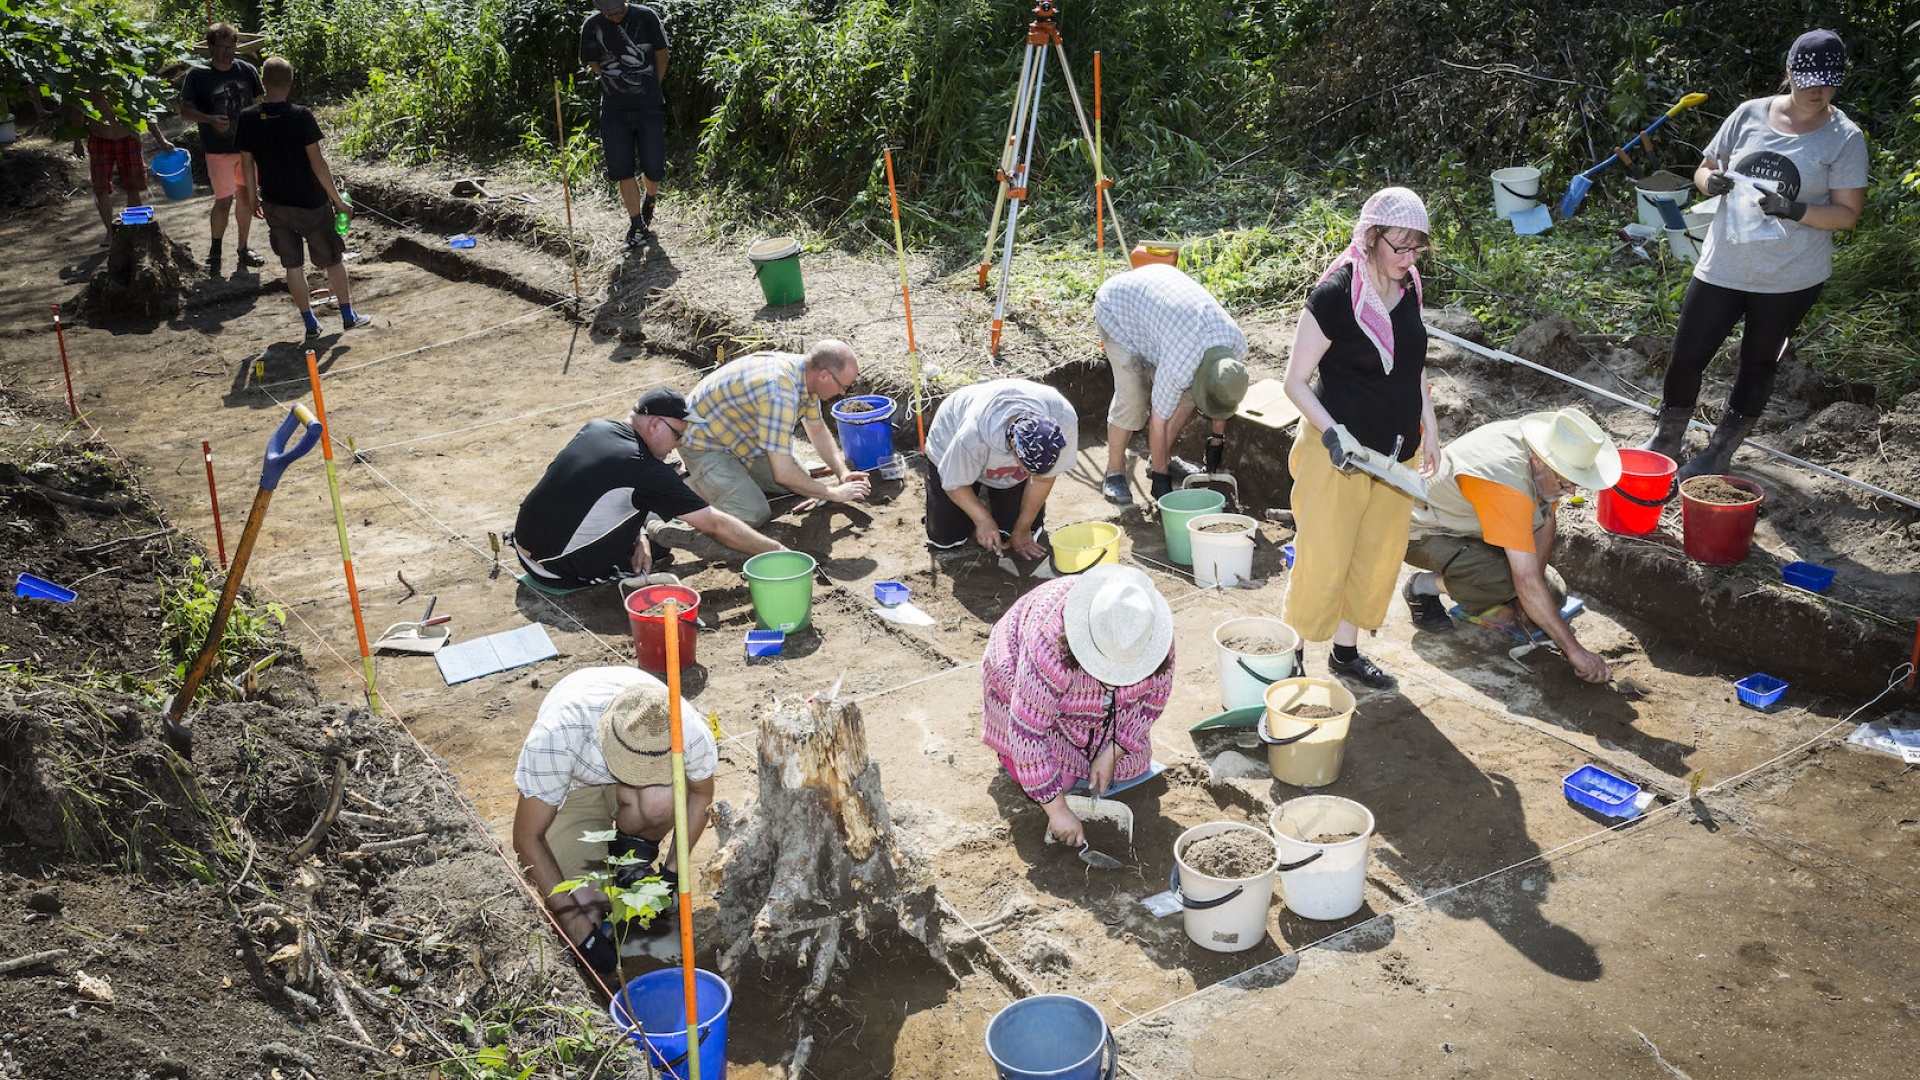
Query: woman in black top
x=1361, y=334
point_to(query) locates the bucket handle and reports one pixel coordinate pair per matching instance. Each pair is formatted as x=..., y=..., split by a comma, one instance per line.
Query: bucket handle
x=1259, y=678
x=1533, y=196
x=1113, y=1056
x=1287, y=867
x=1673, y=488
x=1289, y=740
x=1173, y=886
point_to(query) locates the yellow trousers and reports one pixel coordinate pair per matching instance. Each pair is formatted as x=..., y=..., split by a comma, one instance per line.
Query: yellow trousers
x=1352, y=536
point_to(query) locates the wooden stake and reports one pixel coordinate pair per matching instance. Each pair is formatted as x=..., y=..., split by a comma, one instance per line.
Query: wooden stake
x=677, y=742
x=219, y=538
x=61, y=334
x=566, y=186
x=340, y=526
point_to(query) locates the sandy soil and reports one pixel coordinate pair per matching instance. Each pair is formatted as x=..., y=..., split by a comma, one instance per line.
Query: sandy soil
x=1764, y=928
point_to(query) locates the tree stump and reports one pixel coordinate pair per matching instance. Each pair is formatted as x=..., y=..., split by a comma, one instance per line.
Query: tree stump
x=815, y=864
x=144, y=277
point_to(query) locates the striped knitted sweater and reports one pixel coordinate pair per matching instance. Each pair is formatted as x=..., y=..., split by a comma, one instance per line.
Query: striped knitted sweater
x=1049, y=719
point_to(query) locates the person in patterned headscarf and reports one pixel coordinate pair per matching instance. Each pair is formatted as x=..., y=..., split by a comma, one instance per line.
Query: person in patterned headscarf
x=1806, y=164
x=1361, y=335
x=993, y=454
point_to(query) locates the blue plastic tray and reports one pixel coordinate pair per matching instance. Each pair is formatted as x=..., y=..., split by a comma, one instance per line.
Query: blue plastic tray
x=1286, y=555
x=765, y=642
x=1601, y=791
x=137, y=215
x=890, y=593
x=1760, y=691
x=1809, y=576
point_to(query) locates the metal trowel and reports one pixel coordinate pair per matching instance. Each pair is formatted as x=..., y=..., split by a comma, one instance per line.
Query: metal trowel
x=1090, y=809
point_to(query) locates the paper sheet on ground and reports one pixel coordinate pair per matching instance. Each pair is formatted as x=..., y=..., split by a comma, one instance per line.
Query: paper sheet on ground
x=495, y=652
x=1903, y=743
x=905, y=614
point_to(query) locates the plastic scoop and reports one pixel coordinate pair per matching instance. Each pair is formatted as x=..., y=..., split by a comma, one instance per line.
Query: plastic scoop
x=39, y=588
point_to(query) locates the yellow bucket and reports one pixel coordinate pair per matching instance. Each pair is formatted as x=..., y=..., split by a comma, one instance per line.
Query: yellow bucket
x=1088, y=544
x=1301, y=751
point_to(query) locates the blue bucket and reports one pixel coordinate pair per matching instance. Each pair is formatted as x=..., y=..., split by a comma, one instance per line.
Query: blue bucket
x=174, y=169
x=867, y=436
x=1050, y=1037
x=657, y=1003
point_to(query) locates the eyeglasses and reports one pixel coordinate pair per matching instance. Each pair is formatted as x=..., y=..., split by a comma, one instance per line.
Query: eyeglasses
x=1416, y=250
x=678, y=433
x=839, y=388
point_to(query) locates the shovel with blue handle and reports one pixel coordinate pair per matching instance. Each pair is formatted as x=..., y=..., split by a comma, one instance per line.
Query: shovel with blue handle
x=1577, y=190
x=279, y=455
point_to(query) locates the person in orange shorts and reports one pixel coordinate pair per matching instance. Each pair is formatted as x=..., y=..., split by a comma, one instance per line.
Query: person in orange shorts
x=213, y=97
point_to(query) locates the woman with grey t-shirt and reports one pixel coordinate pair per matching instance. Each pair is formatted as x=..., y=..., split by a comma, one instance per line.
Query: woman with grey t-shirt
x=1811, y=165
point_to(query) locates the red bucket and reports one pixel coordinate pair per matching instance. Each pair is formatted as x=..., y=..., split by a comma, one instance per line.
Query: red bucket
x=1632, y=507
x=1716, y=533
x=650, y=631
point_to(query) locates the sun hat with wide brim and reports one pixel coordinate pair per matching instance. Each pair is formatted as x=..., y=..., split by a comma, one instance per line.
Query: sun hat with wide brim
x=634, y=737
x=1219, y=383
x=1119, y=627
x=1574, y=446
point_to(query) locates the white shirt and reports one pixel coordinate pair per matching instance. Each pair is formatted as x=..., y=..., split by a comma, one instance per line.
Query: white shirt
x=968, y=439
x=562, y=751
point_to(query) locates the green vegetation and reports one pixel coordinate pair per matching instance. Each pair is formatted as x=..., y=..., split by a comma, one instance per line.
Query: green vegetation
x=187, y=610
x=56, y=54
x=1253, y=127
x=519, y=1041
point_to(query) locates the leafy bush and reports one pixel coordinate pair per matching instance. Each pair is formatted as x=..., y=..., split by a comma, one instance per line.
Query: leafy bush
x=59, y=55
x=187, y=609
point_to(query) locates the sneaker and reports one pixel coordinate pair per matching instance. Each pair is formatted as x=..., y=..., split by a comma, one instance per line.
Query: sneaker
x=1180, y=469
x=1429, y=612
x=1115, y=489
x=355, y=321
x=250, y=258
x=637, y=234
x=1363, y=671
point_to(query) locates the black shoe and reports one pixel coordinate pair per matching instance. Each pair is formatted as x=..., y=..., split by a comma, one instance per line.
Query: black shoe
x=249, y=258
x=1429, y=612
x=1365, y=671
x=637, y=234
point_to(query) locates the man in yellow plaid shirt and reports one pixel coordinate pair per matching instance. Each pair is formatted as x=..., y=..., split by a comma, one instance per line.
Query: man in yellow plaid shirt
x=739, y=443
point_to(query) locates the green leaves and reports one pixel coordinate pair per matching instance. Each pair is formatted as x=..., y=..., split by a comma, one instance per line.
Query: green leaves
x=65, y=55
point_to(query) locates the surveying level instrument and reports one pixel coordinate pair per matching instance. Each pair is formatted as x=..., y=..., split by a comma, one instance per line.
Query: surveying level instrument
x=1016, y=157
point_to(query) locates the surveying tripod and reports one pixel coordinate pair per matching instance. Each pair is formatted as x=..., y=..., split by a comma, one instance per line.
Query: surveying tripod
x=1016, y=158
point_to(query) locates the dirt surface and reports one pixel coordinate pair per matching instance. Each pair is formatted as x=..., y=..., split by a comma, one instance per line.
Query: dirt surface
x=1254, y=645
x=1311, y=712
x=1230, y=856
x=1764, y=928
x=1716, y=490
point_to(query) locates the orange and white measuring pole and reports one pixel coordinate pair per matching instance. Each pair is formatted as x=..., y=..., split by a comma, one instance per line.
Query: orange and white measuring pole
x=677, y=743
x=906, y=299
x=340, y=526
x=61, y=334
x=566, y=187
x=213, y=494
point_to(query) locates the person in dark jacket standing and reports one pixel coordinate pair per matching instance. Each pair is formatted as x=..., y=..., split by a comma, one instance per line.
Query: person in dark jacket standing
x=626, y=46
x=213, y=97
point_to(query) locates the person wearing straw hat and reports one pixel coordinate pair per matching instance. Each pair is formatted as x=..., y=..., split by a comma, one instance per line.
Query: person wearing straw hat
x=591, y=515
x=1814, y=160
x=1076, y=673
x=1485, y=534
x=598, y=758
x=1362, y=336
x=1173, y=350
x=993, y=453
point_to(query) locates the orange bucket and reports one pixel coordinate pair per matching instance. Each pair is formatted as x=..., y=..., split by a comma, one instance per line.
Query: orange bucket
x=1716, y=533
x=1154, y=252
x=650, y=631
x=1632, y=507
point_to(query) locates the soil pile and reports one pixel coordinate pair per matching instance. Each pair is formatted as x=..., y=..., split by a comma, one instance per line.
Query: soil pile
x=1230, y=855
x=145, y=276
x=1223, y=527
x=1714, y=490
x=1310, y=712
x=1255, y=645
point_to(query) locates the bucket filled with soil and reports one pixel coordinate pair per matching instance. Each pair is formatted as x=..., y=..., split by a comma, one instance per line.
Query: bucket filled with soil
x=1305, y=730
x=1322, y=841
x=1179, y=507
x=1223, y=874
x=1252, y=654
x=1222, y=549
x=647, y=617
x=866, y=430
x=1717, y=516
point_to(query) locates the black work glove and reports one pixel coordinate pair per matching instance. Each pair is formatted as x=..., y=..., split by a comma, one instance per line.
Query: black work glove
x=1775, y=204
x=1161, y=483
x=1216, y=452
x=1718, y=183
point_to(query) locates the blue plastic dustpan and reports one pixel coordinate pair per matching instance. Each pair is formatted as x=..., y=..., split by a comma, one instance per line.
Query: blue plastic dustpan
x=39, y=588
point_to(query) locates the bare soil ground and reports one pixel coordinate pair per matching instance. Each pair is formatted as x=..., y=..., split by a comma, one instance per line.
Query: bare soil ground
x=1764, y=928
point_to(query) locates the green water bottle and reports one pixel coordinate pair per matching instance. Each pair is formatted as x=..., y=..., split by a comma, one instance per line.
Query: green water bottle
x=343, y=219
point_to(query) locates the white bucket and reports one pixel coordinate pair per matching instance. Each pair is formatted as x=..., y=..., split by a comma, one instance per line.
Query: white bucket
x=1515, y=190
x=1222, y=914
x=1244, y=677
x=1224, y=559
x=1686, y=243
x=1663, y=184
x=1303, y=752
x=1322, y=881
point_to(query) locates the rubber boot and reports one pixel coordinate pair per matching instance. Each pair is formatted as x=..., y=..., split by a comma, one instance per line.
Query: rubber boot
x=1727, y=436
x=1670, y=433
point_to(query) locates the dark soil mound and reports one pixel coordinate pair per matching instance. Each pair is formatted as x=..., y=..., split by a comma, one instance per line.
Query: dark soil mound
x=145, y=276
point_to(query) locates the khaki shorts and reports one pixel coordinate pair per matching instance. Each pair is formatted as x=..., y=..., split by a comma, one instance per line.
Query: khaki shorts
x=1132, y=388
x=737, y=487
x=291, y=228
x=585, y=809
x=1475, y=573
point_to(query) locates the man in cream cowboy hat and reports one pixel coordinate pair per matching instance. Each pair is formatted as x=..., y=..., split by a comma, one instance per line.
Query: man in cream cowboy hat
x=1485, y=534
x=599, y=757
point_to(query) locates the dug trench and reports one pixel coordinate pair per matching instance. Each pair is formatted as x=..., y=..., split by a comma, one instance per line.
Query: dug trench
x=1461, y=766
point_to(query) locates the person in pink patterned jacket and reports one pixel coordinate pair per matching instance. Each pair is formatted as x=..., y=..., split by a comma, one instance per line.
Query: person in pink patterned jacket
x=1076, y=673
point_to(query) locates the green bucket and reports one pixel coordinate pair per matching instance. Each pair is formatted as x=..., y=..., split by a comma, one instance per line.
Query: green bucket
x=776, y=263
x=781, y=584
x=1179, y=507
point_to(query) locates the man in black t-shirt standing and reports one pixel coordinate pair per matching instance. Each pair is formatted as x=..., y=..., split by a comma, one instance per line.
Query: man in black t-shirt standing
x=213, y=97
x=286, y=172
x=627, y=47
x=586, y=521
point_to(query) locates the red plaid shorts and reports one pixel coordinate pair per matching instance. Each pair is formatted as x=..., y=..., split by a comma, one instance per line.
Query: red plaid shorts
x=104, y=155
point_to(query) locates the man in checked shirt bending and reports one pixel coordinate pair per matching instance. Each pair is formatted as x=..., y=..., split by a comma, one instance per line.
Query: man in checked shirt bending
x=1173, y=349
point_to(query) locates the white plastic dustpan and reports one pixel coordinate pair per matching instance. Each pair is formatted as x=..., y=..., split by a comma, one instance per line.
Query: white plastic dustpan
x=413, y=637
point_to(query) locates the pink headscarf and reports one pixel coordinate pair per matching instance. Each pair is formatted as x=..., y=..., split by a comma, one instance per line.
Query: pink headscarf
x=1394, y=208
